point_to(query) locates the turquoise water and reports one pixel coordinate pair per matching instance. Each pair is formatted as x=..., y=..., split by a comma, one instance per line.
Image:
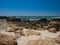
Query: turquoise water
x=36, y=17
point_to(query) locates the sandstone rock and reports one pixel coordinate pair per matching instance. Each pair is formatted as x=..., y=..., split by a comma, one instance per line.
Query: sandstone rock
x=32, y=42
x=31, y=32
x=57, y=39
x=14, y=28
x=45, y=27
x=52, y=30
x=7, y=40
x=17, y=28
x=54, y=24
x=41, y=42
x=35, y=28
x=35, y=25
x=9, y=29
x=18, y=33
x=21, y=28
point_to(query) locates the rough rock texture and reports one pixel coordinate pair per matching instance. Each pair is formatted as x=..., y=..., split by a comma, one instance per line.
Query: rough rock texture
x=7, y=40
x=52, y=30
x=4, y=17
x=9, y=29
x=14, y=28
x=29, y=32
x=41, y=42
x=59, y=28
x=32, y=32
x=54, y=25
x=3, y=25
x=44, y=21
x=14, y=19
x=57, y=39
x=36, y=40
x=55, y=19
x=35, y=25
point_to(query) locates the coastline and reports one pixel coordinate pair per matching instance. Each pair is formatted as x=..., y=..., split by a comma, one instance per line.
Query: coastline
x=27, y=30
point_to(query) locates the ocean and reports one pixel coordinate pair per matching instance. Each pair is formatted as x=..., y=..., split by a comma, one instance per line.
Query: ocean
x=33, y=17
x=36, y=17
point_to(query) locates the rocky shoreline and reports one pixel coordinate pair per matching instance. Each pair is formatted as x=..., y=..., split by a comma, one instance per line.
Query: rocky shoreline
x=14, y=31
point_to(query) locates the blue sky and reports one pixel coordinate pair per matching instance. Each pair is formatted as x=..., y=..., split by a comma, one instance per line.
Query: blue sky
x=30, y=7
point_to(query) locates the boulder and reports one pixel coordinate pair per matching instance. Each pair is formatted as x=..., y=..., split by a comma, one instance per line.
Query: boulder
x=18, y=33
x=41, y=42
x=44, y=21
x=54, y=24
x=45, y=27
x=14, y=19
x=55, y=19
x=35, y=25
x=52, y=30
x=31, y=32
x=14, y=28
x=4, y=17
x=9, y=29
x=7, y=40
x=21, y=28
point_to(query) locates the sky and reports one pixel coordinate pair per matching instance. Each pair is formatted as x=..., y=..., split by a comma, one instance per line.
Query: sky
x=30, y=7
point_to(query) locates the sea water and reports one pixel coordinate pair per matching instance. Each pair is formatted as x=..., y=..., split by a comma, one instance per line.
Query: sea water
x=34, y=17
x=37, y=17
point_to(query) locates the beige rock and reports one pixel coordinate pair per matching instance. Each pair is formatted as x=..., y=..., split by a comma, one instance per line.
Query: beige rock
x=32, y=42
x=57, y=39
x=35, y=28
x=54, y=24
x=7, y=40
x=9, y=29
x=52, y=30
x=45, y=27
x=18, y=33
x=21, y=28
x=15, y=27
x=41, y=42
x=31, y=32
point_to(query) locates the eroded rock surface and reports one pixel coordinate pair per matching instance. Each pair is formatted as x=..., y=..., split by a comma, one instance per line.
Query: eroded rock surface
x=53, y=26
x=7, y=40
